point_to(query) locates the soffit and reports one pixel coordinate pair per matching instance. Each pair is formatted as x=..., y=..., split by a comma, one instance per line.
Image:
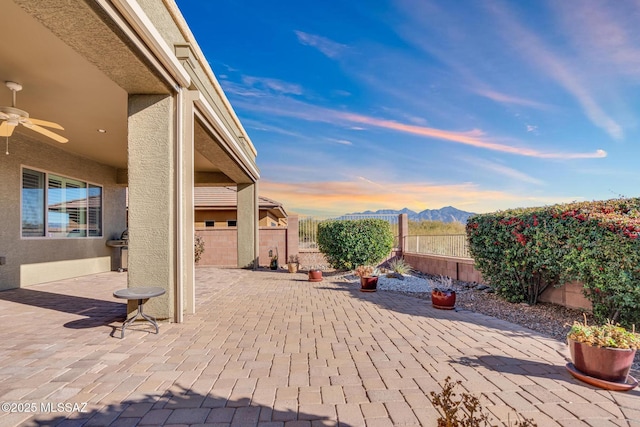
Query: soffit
x=77, y=69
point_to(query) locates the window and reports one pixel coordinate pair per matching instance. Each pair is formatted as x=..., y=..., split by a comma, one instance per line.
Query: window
x=68, y=207
x=209, y=223
x=232, y=223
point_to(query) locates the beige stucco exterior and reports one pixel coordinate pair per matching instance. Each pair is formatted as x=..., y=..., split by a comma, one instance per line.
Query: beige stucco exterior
x=37, y=260
x=134, y=69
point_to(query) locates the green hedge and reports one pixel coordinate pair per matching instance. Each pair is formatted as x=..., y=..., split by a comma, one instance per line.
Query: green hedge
x=349, y=243
x=521, y=251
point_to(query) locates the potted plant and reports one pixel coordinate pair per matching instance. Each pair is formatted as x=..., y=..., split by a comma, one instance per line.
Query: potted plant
x=368, y=278
x=293, y=263
x=315, y=274
x=443, y=296
x=603, y=354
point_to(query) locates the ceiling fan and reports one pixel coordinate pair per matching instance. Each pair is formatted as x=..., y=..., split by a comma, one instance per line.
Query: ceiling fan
x=12, y=117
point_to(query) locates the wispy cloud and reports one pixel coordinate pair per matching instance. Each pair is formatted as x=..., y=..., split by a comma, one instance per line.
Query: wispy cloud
x=532, y=49
x=259, y=126
x=326, y=46
x=509, y=99
x=603, y=35
x=475, y=138
x=503, y=170
x=275, y=85
x=340, y=141
x=361, y=194
x=472, y=138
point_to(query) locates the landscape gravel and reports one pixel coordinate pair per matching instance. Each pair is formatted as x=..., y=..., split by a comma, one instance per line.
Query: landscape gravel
x=549, y=319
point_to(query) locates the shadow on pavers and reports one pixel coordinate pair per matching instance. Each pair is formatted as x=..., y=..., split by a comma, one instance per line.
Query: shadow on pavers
x=181, y=407
x=97, y=312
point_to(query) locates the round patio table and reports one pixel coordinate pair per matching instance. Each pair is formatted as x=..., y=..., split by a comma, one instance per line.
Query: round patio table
x=140, y=294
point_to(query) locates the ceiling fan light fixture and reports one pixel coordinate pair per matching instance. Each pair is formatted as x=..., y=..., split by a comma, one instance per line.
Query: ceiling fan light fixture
x=14, y=116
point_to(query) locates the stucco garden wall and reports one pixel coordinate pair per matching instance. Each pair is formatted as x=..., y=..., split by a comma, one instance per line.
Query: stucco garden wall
x=39, y=260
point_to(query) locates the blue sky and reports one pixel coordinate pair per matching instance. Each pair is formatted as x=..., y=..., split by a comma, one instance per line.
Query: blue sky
x=481, y=105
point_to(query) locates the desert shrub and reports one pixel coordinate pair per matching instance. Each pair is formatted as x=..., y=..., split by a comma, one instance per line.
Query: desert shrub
x=434, y=228
x=399, y=265
x=349, y=243
x=198, y=247
x=521, y=251
x=465, y=411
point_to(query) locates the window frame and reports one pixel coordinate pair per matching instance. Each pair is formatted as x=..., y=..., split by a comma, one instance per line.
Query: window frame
x=87, y=186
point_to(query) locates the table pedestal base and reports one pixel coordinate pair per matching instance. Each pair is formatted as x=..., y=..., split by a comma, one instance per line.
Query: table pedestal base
x=139, y=313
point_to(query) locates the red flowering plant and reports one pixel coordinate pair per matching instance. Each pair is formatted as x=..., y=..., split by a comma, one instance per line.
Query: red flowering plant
x=522, y=251
x=604, y=254
x=516, y=252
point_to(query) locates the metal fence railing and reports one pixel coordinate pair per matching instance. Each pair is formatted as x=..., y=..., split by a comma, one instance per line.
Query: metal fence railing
x=453, y=245
x=308, y=227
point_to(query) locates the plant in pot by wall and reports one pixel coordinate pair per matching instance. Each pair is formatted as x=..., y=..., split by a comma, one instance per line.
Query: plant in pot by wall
x=315, y=274
x=442, y=295
x=368, y=278
x=274, y=261
x=293, y=263
x=602, y=355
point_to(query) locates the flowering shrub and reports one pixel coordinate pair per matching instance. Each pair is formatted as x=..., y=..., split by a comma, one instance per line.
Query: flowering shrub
x=522, y=251
x=517, y=252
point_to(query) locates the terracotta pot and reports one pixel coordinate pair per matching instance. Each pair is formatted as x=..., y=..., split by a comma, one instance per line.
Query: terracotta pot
x=315, y=275
x=368, y=284
x=443, y=299
x=605, y=363
x=293, y=267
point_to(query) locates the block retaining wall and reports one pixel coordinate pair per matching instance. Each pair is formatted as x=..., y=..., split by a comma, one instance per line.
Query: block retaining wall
x=568, y=295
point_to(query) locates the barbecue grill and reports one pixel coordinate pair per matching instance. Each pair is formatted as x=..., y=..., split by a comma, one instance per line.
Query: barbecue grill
x=122, y=245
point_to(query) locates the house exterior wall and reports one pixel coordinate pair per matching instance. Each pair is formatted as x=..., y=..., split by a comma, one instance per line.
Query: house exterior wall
x=219, y=216
x=268, y=220
x=39, y=260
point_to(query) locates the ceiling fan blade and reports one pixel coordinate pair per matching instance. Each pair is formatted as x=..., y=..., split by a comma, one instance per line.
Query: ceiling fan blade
x=48, y=133
x=5, y=129
x=45, y=123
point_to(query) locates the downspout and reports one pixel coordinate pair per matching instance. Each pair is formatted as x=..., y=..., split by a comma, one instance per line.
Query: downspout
x=179, y=276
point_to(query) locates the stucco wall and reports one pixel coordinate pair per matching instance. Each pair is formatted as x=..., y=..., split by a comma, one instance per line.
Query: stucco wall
x=43, y=260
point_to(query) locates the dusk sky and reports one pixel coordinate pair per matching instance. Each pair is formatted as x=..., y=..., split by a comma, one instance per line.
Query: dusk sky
x=480, y=105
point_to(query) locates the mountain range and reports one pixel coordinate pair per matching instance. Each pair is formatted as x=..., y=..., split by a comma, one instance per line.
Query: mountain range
x=446, y=214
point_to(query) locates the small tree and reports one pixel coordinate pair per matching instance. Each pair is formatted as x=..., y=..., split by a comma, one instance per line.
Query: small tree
x=349, y=243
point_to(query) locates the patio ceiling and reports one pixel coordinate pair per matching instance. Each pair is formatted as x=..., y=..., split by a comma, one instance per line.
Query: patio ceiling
x=61, y=85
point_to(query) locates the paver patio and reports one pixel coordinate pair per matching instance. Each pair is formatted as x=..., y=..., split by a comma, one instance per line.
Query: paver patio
x=271, y=349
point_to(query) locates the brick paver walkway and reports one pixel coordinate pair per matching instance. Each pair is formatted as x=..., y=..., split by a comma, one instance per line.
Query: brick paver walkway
x=271, y=349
